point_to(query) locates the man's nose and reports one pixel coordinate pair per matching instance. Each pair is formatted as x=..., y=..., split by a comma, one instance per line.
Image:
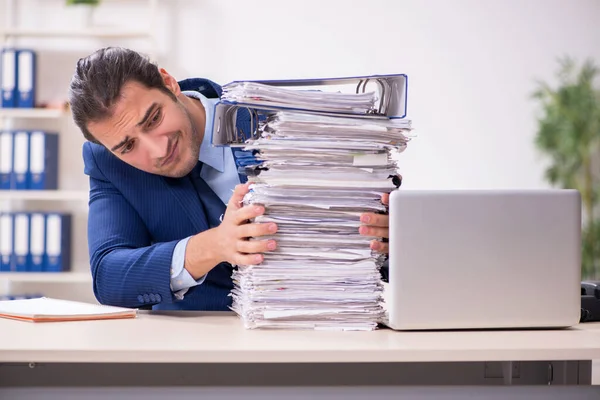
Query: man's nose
x=156, y=145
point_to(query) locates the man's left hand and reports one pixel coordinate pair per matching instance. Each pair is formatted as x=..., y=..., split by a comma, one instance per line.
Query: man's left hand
x=376, y=225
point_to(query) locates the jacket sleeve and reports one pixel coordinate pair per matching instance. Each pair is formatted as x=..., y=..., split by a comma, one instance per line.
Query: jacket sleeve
x=127, y=269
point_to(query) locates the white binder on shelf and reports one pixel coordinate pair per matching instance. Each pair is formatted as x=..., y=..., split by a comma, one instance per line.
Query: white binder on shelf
x=26, y=78
x=58, y=242
x=21, y=242
x=21, y=161
x=6, y=242
x=38, y=241
x=8, y=83
x=6, y=159
x=43, y=161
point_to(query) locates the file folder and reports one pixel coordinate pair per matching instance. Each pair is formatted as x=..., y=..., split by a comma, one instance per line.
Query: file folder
x=20, y=161
x=8, y=85
x=6, y=242
x=58, y=242
x=43, y=161
x=37, y=242
x=6, y=159
x=390, y=91
x=21, y=242
x=26, y=82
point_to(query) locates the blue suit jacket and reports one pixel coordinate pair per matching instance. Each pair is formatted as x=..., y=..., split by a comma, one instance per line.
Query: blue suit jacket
x=135, y=220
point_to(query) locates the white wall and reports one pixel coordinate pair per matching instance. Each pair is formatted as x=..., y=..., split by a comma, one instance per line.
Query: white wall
x=471, y=67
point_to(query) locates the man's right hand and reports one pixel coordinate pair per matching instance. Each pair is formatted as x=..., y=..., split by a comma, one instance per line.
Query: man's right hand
x=229, y=241
x=232, y=242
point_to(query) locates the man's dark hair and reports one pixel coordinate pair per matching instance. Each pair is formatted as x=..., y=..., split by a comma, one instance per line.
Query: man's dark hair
x=98, y=81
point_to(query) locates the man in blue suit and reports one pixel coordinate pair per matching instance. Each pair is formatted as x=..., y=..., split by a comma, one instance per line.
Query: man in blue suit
x=165, y=217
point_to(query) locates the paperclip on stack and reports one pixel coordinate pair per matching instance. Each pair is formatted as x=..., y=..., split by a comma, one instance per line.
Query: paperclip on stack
x=318, y=169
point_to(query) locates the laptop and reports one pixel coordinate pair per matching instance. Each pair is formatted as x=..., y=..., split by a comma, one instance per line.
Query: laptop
x=484, y=259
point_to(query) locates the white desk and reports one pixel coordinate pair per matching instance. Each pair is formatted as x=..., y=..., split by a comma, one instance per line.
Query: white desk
x=202, y=351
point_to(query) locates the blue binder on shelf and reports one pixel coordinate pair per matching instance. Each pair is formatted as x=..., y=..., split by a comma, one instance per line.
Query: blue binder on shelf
x=26, y=78
x=6, y=159
x=20, y=169
x=6, y=242
x=37, y=244
x=8, y=83
x=58, y=242
x=22, y=254
x=43, y=164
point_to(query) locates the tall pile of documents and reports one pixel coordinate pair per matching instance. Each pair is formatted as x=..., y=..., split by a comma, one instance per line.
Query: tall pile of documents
x=325, y=159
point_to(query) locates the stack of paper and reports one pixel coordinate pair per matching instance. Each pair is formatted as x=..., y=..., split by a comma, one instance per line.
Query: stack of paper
x=266, y=95
x=319, y=174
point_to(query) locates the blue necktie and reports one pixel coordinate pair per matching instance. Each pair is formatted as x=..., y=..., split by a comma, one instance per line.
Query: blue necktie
x=212, y=204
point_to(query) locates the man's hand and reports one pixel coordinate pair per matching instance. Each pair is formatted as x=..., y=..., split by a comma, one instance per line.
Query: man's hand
x=232, y=244
x=228, y=242
x=376, y=225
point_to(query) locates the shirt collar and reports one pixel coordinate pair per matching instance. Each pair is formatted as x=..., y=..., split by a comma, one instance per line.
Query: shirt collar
x=210, y=155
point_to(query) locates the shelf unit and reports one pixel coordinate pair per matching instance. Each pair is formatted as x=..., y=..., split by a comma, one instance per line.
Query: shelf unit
x=32, y=113
x=75, y=284
x=49, y=277
x=44, y=195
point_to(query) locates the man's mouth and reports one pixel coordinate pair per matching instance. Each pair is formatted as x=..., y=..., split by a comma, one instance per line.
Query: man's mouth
x=171, y=155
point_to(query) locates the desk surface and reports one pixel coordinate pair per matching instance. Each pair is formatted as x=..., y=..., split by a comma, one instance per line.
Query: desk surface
x=220, y=338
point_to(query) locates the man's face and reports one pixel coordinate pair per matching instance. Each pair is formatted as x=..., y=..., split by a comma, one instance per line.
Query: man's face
x=150, y=131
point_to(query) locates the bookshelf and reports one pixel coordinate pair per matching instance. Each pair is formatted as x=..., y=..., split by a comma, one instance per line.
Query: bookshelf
x=66, y=42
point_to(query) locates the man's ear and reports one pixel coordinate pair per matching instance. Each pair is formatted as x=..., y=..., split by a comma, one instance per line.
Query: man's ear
x=170, y=82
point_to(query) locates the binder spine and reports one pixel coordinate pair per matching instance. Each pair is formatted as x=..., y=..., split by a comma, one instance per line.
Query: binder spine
x=8, y=83
x=20, y=161
x=21, y=242
x=6, y=242
x=26, y=83
x=38, y=243
x=44, y=161
x=58, y=242
x=6, y=159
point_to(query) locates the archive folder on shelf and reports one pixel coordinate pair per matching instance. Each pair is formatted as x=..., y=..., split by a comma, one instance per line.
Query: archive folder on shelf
x=20, y=175
x=43, y=165
x=380, y=97
x=8, y=83
x=58, y=242
x=6, y=159
x=6, y=242
x=26, y=64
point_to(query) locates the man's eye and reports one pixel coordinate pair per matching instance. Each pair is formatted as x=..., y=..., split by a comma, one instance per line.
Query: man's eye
x=128, y=147
x=155, y=118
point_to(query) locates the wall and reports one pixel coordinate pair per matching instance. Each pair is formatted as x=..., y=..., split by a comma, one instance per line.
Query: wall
x=471, y=65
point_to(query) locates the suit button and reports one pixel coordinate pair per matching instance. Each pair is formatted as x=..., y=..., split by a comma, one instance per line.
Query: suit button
x=141, y=298
x=146, y=298
x=158, y=298
x=152, y=297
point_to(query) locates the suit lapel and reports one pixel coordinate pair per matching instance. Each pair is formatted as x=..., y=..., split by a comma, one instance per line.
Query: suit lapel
x=186, y=196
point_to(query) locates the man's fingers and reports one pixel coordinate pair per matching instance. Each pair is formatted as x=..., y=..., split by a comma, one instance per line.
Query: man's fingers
x=374, y=231
x=385, y=199
x=248, y=259
x=255, y=230
x=248, y=212
x=255, y=246
x=235, y=201
x=375, y=219
x=381, y=247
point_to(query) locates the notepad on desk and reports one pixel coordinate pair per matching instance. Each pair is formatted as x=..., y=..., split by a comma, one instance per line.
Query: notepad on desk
x=46, y=309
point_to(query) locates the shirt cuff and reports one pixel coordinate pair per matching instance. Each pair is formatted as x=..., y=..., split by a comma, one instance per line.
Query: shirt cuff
x=181, y=280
